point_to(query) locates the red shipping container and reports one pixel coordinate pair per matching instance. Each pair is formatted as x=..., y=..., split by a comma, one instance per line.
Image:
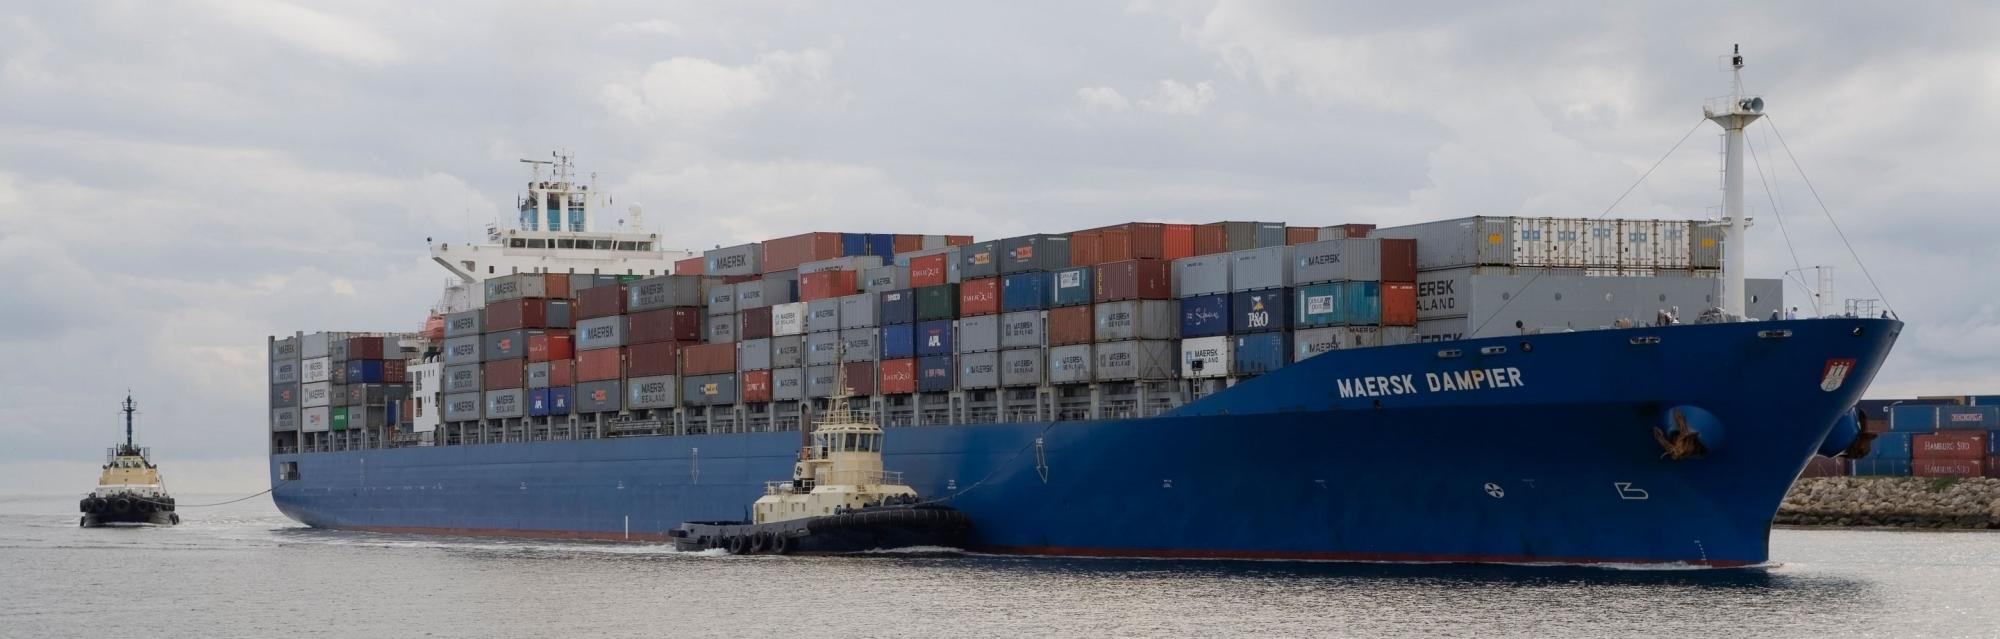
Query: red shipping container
x=903, y=243
x=369, y=347
x=1357, y=231
x=1176, y=241
x=1295, y=235
x=1085, y=248
x=504, y=374
x=1399, y=304
x=756, y=386
x=1071, y=325
x=1133, y=241
x=562, y=373
x=1209, y=240
x=828, y=284
x=957, y=240
x=1949, y=444
x=708, y=359
x=1948, y=467
x=664, y=325
x=600, y=301
x=395, y=371
x=689, y=266
x=739, y=279
x=787, y=253
x=1399, y=260
x=1134, y=280
x=653, y=358
x=517, y=314
x=861, y=377
x=600, y=365
x=979, y=297
x=929, y=270
x=899, y=377
x=551, y=346
x=754, y=323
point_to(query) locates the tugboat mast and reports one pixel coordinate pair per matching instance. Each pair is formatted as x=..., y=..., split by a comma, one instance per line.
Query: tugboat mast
x=1734, y=112
x=129, y=409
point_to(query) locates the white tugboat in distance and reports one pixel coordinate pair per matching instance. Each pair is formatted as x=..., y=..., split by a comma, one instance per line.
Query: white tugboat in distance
x=129, y=490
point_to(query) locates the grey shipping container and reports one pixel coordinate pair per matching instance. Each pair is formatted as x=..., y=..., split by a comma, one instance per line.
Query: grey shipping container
x=283, y=349
x=1137, y=319
x=1357, y=260
x=1044, y=252
x=1022, y=329
x=538, y=375
x=463, y=407
x=820, y=379
x=315, y=394
x=1201, y=275
x=861, y=310
x=788, y=351
x=1314, y=341
x=822, y=315
x=317, y=345
x=979, y=259
x=788, y=384
x=719, y=329
x=598, y=397
x=1022, y=367
x=1070, y=364
x=742, y=259
x=822, y=348
x=659, y=391
x=462, y=378
x=516, y=286
x=337, y=350
x=1704, y=246
x=284, y=420
x=462, y=350
x=720, y=299
x=1147, y=359
x=285, y=395
x=709, y=390
x=464, y=323
x=285, y=372
x=1469, y=241
x=666, y=291
x=505, y=345
x=753, y=354
x=885, y=278
x=978, y=334
x=761, y=293
x=857, y=263
x=320, y=369
x=1260, y=268
x=979, y=370
x=860, y=345
x=1499, y=297
x=338, y=394
x=511, y=402
x=600, y=332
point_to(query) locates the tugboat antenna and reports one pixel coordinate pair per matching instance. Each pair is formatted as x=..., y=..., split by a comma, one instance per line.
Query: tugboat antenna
x=129, y=409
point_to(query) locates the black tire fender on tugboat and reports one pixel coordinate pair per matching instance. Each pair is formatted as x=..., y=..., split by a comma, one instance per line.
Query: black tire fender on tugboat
x=121, y=504
x=781, y=544
x=738, y=544
x=758, y=542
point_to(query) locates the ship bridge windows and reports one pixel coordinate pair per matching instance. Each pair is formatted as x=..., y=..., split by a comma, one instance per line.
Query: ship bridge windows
x=517, y=243
x=538, y=243
x=858, y=443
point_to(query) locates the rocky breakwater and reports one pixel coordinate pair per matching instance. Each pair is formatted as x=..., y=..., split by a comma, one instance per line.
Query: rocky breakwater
x=1905, y=502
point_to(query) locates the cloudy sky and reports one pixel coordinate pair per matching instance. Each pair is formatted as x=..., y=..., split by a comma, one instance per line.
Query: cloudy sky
x=180, y=179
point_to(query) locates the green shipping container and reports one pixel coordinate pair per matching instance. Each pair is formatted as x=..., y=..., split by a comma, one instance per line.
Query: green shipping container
x=937, y=302
x=339, y=421
x=628, y=279
x=1320, y=305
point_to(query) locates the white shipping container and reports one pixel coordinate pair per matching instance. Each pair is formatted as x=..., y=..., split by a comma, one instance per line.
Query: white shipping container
x=1214, y=353
x=788, y=319
x=316, y=394
x=1201, y=275
x=318, y=369
x=1260, y=268
x=315, y=420
x=1070, y=364
x=1313, y=341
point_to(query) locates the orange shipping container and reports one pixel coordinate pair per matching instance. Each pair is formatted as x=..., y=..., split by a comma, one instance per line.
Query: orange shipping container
x=957, y=240
x=562, y=373
x=1070, y=325
x=756, y=387
x=905, y=243
x=787, y=253
x=600, y=365
x=708, y=359
x=1177, y=241
x=654, y=358
x=551, y=346
x=1085, y=248
x=899, y=377
x=689, y=266
x=979, y=297
x=828, y=284
x=1399, y=304
x=1133, y=241
x=1300, y=235
x=861, y=377
x=1210, y=239
x=929, y=270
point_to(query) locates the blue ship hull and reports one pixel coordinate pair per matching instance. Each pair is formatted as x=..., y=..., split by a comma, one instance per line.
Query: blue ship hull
x=1382, y=454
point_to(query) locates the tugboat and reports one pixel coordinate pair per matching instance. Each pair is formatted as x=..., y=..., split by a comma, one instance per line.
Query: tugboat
x=839, y=500
x=130, y=490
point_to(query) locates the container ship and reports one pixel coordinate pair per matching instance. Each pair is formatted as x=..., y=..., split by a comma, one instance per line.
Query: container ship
x=1485, y=389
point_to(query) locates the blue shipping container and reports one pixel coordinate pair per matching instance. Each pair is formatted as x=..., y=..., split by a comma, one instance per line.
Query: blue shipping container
x=934, y=338
x=882, y=244
x=934, y=374
x=1205, y=315
x=1024, y=292
x=853, y=244
x=1891, y=445
x=1260, y=311
x=1881, y=467
x=1320, y=305
x=392, y=413
x=1913, y=419
x=1261, y=353
x=899, y=341
x=364, y=371
x=559, y=400
x=1948, y=417
x=1363, y=301
x=898, y=307
x=1073, y=286
x=1986, y=400
x=538, y=402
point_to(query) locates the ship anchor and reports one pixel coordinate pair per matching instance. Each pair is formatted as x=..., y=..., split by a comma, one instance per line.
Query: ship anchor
x=1680, y=443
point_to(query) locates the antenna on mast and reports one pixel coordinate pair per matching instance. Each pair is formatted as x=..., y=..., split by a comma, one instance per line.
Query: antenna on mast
x=129, y=409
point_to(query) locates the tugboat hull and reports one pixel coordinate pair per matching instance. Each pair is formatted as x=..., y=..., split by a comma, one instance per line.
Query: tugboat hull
x=867, y=529
x=101, y=511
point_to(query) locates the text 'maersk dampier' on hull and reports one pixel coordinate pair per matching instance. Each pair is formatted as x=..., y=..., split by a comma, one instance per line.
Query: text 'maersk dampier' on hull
x=1471, y=390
